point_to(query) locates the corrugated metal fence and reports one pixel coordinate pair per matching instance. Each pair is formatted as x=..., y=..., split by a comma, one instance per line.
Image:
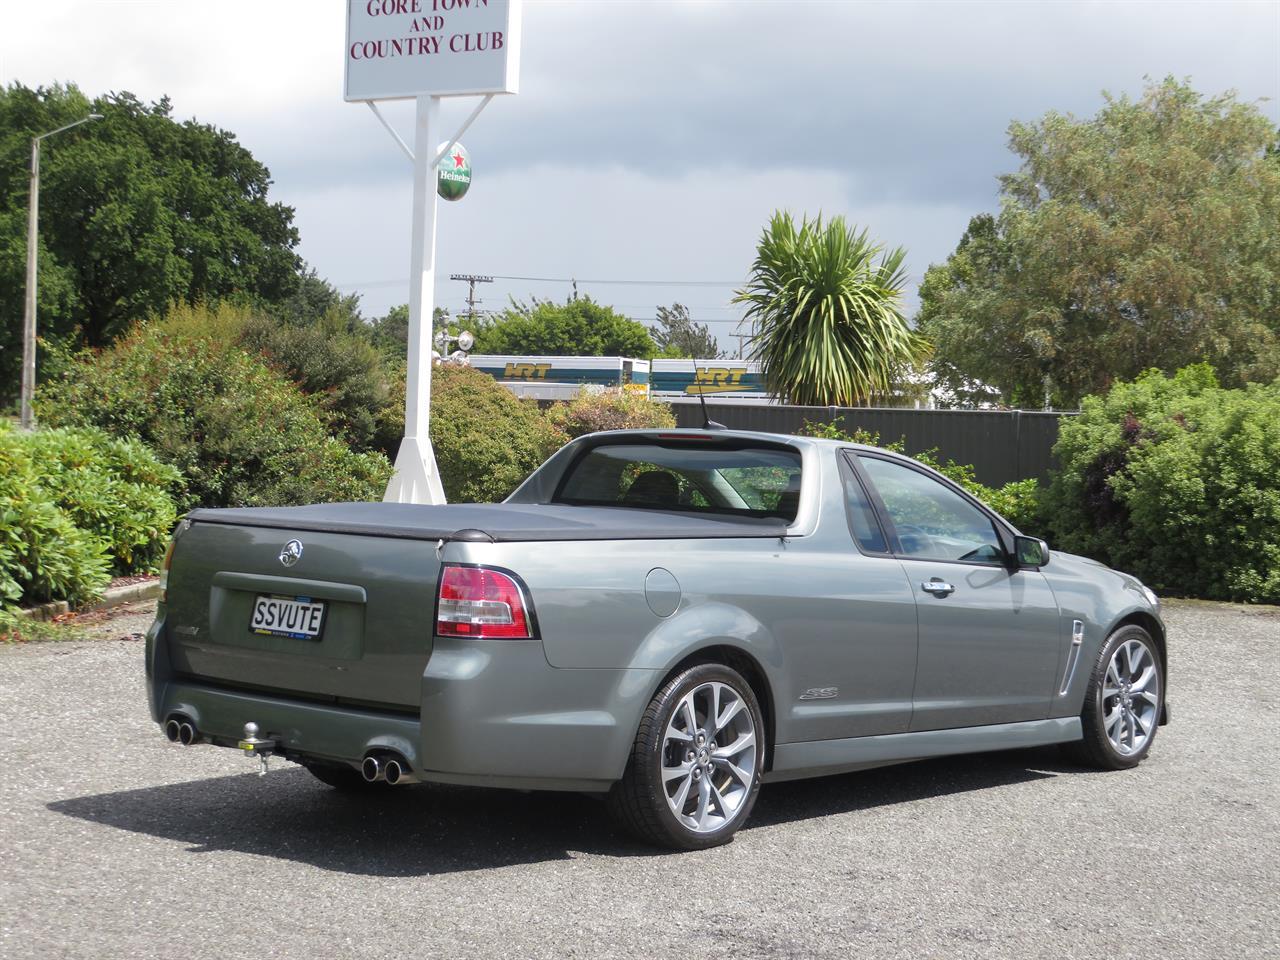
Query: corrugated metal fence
x=1001, y=445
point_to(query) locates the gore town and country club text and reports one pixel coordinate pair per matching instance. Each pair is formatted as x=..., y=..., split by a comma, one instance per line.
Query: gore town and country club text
x=425, y=33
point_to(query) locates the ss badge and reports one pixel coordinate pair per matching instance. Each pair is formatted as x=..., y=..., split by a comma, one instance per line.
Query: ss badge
x=819, y=693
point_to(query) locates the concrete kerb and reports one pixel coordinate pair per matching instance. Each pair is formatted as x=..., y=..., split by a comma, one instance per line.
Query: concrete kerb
x=112, y=597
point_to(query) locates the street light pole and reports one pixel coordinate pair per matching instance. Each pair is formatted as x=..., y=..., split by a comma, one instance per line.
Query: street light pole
x=27, y=419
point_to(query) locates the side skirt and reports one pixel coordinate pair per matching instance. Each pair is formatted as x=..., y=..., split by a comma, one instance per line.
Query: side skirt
x=792, y=761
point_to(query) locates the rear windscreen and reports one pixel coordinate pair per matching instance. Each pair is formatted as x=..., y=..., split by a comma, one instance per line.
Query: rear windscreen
x=751, y=482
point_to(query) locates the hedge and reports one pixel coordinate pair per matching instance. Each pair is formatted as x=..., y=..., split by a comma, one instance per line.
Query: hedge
x=77, y=506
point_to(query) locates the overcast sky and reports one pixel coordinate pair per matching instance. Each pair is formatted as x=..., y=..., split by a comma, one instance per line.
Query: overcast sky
x=650, y=141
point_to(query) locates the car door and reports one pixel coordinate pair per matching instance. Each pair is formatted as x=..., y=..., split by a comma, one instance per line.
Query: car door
x=862, y=649
x=988, y=631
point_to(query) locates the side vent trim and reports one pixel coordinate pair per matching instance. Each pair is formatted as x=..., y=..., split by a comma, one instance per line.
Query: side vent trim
x=1077, y=640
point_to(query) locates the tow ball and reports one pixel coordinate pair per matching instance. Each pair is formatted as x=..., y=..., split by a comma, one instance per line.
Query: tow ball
x=253, y=746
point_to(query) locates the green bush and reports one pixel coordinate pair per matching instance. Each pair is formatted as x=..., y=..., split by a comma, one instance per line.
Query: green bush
x=340, y=369
x=43, y=554
x=486, y=440
x=591, y=412
x=240, y=433
x=1174, y=479
x=116, y=490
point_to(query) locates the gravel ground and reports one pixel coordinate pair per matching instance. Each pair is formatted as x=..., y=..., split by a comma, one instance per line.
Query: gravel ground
x=114, y=843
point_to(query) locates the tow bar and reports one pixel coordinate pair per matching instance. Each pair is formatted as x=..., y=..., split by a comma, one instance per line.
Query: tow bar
x=255, y=747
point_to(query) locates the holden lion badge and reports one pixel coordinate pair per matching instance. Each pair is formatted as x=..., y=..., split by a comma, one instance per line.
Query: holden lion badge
x=291, y=553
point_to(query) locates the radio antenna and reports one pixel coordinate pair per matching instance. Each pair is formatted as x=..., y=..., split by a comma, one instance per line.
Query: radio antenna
x=707, y=422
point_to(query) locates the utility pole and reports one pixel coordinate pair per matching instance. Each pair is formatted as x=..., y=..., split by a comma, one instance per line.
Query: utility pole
x=472, y=300
x=740, y=338
x=26, y=418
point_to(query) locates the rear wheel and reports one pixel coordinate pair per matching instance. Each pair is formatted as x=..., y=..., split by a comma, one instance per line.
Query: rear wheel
x=1122, y=706
x=344, y=778
x=694, y=771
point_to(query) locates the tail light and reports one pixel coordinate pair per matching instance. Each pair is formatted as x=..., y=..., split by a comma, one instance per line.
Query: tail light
x=178, y=531
x=164, y=573
x=481, y=603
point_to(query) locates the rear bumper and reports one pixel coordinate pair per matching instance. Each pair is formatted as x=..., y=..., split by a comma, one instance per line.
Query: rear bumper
x=494, y=713
x=304, y=730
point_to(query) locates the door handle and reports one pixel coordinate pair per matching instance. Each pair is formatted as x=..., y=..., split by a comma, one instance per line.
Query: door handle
x=939, y=588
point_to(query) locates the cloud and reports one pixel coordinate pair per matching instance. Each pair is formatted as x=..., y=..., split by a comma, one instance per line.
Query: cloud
x=563, y=221
x=652, y=139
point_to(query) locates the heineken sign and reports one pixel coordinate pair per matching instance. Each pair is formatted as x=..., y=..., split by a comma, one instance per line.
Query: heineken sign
x=453, y=177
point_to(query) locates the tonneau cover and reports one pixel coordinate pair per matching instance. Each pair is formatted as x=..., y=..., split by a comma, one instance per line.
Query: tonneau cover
x=499, y=522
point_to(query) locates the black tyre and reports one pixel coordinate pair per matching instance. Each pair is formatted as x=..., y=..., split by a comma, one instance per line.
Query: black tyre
x=1123, y=703
x=344, y=778
x=694, y=770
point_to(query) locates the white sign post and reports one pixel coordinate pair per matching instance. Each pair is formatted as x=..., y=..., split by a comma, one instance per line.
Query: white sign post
x=426, y=50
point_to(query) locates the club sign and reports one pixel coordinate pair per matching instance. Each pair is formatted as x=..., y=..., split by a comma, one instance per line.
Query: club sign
x=406, y=48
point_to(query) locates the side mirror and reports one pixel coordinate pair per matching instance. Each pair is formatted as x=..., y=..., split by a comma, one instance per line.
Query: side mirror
x=1030, y=552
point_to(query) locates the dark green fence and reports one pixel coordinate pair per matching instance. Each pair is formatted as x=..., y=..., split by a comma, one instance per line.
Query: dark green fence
x=1001, y=445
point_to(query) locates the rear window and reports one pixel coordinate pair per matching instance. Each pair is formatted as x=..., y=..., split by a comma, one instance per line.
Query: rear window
x=750, y=482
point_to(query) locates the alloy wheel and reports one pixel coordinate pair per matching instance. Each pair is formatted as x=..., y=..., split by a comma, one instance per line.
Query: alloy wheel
x=1131, y=697
x=709, y=757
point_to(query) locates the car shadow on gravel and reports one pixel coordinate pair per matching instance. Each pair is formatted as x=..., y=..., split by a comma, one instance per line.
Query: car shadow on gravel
x=433, y=829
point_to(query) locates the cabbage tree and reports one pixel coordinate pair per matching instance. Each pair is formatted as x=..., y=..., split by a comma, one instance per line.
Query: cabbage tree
x=825, y=306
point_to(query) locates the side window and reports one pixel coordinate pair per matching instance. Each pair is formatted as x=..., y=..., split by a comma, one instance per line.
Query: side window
x=862, y=518
x=933, y=522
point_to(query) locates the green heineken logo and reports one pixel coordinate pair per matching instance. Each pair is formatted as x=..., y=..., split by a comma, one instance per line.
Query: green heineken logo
x=453, y=176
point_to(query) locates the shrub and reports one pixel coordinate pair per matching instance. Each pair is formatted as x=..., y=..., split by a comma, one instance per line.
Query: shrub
x=486, y=440
x=240, y=433
x=591, y=412
x=116, y=490
x=1174, y=479
x=342, y=370
x=43, y=554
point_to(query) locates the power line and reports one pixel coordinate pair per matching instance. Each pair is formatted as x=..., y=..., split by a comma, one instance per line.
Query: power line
x=642, y=283
x=496, y=276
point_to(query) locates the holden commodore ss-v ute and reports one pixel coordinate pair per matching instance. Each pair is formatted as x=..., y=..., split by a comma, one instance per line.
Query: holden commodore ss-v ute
x=668, y=618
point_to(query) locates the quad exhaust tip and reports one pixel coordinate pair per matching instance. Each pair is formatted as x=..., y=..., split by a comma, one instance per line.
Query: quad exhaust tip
x=187, y=734
x=392, y=772
x=172, y=730
x=371, y=769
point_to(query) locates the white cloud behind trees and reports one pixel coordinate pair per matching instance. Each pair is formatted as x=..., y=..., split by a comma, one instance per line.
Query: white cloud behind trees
x=650, y=140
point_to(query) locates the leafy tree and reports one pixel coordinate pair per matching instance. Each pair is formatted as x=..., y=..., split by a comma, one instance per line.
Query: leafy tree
x=577, y=327
x=136, y=211
x=825, y=302
x=679, y=336
x=390, y=333
x=314, y=299
x=1143, y=237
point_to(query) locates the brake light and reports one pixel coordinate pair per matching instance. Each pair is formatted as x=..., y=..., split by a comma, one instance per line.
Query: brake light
x=481, y=603
x=164, y=570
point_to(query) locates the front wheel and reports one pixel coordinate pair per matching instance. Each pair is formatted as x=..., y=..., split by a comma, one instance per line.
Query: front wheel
x=1122, y=705
x=694, y=771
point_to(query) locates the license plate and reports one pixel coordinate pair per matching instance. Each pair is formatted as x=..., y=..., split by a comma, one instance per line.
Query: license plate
x=299, y=618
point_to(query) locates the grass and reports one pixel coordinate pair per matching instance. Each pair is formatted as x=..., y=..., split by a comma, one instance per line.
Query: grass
x=15, y=629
